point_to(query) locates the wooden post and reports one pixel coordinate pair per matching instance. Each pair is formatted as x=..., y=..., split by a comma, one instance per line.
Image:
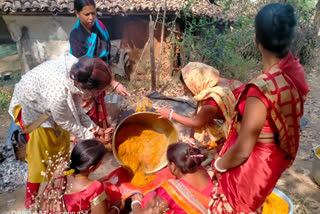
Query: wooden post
x=161, y=41
x=152, y=60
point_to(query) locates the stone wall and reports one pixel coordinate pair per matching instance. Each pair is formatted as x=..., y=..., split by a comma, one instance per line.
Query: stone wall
x=39, y=38
x=4, y=33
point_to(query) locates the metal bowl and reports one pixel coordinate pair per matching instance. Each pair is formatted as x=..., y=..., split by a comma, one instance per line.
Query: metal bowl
x=315, y=170
x=150, y=121
x=285, y=198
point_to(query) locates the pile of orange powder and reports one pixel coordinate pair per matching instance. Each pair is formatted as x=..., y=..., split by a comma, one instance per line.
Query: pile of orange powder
x=275, y=205
x=141, y=151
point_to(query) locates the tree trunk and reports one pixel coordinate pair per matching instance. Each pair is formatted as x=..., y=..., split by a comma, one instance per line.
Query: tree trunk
x=152, y=59
x=317, y=17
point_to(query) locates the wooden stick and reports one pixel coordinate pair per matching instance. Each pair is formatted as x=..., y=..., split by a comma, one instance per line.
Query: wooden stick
x=152, y=59
x=161, y=43
x=144, y=48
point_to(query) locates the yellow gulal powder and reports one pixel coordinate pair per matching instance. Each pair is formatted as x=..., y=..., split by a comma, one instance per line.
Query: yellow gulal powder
x=275, y=205
x=142, y=104
x=141, y=151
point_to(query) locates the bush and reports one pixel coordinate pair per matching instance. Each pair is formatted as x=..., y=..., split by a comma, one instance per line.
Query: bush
x=306, y=43
x=228, y=48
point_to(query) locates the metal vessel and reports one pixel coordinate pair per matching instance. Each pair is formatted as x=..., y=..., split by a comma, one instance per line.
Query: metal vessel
x=151, y=121
x=285, y=198
x=315, y=170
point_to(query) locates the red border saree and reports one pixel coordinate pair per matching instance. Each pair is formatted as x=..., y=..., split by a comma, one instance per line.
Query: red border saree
x=244, y=188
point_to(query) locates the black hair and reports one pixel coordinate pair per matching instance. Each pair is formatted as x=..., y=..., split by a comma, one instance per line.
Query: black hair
x=91, y=73
x=275, y=28
x=186, y=158
x=85, y=154
x=79, y=4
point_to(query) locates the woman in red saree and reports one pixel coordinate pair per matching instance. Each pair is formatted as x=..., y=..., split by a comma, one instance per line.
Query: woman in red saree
x=264, y=138
x=70, y=189
x=189, y=193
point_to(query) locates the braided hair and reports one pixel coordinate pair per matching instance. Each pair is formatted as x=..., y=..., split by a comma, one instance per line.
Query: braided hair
x=186, y=158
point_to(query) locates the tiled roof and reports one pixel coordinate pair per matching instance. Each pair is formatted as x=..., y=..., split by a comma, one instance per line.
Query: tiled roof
x=200, y=7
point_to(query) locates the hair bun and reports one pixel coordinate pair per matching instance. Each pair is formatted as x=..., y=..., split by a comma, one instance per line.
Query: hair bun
x=275, y=27
x=284, y=22
x=83, y=73
x=284, y=18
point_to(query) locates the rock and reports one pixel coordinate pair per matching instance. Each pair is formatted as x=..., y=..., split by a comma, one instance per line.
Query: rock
x=303, y=123
x=13, y=174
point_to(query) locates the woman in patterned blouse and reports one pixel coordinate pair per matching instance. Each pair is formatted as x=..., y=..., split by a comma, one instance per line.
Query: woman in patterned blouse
x=57, y=86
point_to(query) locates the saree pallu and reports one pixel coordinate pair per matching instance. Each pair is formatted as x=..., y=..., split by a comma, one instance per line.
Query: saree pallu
x=220, y=204
x=94, y=44
x=83, y=200
x=95, y=108
x=118, y=183
x=45, y=146
x=245, y=187
x=286, y=89
x=183, y=198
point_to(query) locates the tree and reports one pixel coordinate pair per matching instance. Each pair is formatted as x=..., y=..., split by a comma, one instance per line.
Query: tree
x=317, y=16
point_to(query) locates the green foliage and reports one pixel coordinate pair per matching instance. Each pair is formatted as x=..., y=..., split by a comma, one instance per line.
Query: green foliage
x=6, y=90
x=303, y=4
x=231, y=48
x=210, y=41
x=5, y=97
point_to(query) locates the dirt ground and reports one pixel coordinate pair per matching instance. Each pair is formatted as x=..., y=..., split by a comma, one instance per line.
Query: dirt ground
x=296, y=181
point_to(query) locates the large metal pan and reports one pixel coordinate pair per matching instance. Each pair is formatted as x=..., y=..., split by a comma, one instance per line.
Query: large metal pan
x=150, y=121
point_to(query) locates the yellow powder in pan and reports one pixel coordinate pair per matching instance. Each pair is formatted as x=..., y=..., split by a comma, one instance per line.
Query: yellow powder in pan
x=275, y=205
x=141, y=151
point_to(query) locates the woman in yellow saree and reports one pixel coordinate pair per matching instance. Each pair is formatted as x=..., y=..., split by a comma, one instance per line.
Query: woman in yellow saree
x=216, y=98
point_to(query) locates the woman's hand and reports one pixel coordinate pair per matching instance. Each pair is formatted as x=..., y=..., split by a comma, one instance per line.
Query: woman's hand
x=103, y=135
x=108, y=134
x=191, y=141
x=136, y=203
x=137, y=196
x=120, y=89
x=107, y=138
x=163, y=113
x=116, y=207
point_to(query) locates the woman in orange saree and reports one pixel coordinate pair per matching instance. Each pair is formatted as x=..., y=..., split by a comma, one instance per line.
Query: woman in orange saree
x=189, y=193
x=264, y=138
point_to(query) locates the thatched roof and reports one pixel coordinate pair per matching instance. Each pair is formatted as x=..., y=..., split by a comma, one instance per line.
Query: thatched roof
x=110, y=7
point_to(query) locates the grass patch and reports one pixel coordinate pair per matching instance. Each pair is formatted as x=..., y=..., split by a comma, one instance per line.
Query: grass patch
x=5, y=98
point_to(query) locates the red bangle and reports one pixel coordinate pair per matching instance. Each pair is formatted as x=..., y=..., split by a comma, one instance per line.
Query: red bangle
x=116, y=85
x=190, y=142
